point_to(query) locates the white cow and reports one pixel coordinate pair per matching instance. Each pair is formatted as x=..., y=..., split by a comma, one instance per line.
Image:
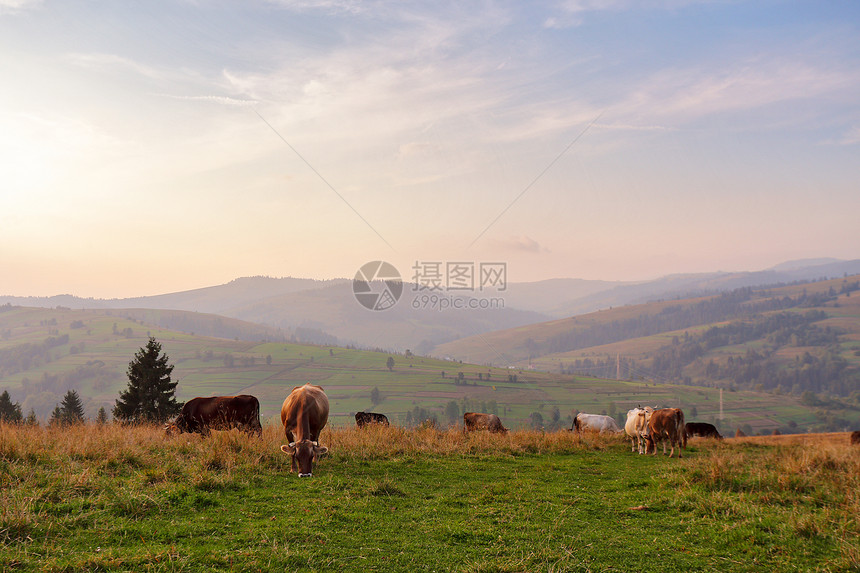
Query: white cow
x=637, y=426
x=595, y=423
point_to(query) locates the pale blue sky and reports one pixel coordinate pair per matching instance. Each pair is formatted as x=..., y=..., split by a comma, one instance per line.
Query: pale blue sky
x=142, y=148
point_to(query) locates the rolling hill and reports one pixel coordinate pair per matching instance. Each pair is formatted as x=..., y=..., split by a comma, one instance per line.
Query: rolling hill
x=46, y=352
x=791, y=339
x=327, y=312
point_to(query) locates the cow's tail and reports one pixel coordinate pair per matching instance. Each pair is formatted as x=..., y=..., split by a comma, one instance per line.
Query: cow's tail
x=682, y=429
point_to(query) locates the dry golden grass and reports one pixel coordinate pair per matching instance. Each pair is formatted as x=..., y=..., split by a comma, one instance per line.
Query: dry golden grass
x=819, y=472
x=793, y=439
x=382, y=442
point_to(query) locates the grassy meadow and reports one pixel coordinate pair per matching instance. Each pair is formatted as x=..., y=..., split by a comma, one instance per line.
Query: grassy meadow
x=112, y=498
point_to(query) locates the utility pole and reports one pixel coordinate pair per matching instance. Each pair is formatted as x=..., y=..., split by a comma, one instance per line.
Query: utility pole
x=721, y=403
x=618, y=366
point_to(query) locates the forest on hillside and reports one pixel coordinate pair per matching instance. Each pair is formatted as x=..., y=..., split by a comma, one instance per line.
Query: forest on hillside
x=818, y=365
x=740, y=303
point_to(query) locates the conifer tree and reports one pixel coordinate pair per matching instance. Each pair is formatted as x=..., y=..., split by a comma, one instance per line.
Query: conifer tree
x=56, y=416
x=71, y=409
x=101, y=417
x=151, y=396
x=9, y=411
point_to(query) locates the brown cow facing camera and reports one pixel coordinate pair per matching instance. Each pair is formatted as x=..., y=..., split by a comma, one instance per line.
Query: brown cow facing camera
x=304, y=414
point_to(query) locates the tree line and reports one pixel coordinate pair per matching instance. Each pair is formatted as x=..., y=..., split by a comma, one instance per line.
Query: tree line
x=149, y=398
x=739, y=303
x=758, y=368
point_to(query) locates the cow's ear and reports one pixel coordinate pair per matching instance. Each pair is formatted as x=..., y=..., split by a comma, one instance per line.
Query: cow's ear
x=320, y=450
x=291, y=449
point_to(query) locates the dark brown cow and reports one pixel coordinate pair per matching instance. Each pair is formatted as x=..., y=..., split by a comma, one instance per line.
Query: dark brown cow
x=740, y=433
x=474, y=421
x=855, y=437
x=701, y=430
x=304, y=415
x=364, y=418
x=218, y=413
x=666, y=424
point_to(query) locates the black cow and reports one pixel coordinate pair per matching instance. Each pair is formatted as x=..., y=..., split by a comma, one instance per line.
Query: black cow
x=218, y=413
x=701, y=430
x=364, y=418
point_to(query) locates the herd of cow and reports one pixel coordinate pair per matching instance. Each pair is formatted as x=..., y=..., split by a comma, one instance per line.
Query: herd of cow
x=647, y=426
x=304, y=414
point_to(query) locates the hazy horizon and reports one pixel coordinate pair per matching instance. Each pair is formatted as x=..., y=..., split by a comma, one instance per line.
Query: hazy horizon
x=169, y=146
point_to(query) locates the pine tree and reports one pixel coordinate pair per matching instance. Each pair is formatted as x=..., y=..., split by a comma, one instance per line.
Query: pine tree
x=56, y=416
x=9, y=411
x=151, y=396
x=31, y=419
x=101, y=417
x=71, y=409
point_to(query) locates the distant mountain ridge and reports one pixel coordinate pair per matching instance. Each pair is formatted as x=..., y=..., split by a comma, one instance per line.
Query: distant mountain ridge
x=325, y=311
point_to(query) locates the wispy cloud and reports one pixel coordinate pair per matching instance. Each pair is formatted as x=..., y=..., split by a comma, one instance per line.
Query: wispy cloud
x=522, y=243
x=679, y=95
x=220, y=100
x=14, y=6
x=351, y=6
x=113, y=62
x=850, y=137
x=572, y=13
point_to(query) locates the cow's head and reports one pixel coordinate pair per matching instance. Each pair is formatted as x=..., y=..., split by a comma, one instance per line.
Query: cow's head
x=175, y=427
x=304, y=454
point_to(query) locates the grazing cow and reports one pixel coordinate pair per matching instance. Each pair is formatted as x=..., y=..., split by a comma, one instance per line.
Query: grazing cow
x=740, y=433
x=701, y=430
x=218, y=413
x=666, y=424
x=365, y=418
x=304, y=415
x=595, y=423
x=637, y=423
x=474, y=421
x=855, y=437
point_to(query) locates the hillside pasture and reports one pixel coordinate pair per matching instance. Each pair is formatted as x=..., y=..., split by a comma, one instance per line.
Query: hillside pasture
x=118, y=498
x=103, y=343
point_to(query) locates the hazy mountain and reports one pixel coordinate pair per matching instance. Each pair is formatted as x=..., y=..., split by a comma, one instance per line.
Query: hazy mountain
x=334, y=311
x=327, y=311
x=215, y=299
x=688, y=285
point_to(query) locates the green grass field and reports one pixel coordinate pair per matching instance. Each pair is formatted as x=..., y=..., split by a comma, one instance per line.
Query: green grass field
x=110, y=498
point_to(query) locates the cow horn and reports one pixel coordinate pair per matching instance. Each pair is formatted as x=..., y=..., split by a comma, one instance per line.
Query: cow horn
x=292, y=444
x=315, y=443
